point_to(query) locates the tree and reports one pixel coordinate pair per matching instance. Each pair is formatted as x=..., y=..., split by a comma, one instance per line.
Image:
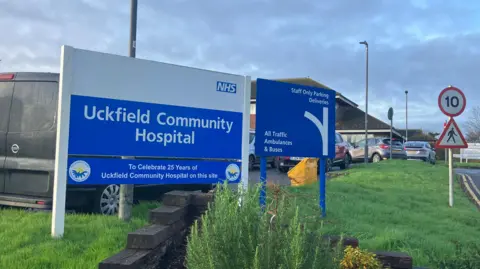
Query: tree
x=473, y=125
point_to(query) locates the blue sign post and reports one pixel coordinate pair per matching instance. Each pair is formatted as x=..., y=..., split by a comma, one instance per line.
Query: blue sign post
x=294, y=120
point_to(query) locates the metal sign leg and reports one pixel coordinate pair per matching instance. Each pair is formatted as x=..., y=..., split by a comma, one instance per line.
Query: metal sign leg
x=322, y=187
x=263, y=181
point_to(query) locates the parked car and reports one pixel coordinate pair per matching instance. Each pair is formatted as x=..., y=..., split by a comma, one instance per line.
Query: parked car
x=349, y=146
x=379, y=149
x=28, y=128
x=420, y=150
x=342, y=158
x=254, y=159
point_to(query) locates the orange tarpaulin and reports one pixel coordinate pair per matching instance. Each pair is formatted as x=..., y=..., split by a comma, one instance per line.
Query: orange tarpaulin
x=305, y=172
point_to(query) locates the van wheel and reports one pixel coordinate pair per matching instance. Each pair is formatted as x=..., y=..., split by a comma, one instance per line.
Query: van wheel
x=107, y=200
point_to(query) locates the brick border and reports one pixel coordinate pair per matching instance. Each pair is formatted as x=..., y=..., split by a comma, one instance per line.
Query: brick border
x=169, y=224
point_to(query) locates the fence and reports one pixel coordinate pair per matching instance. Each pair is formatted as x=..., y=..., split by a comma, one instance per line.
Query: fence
x=470, y=153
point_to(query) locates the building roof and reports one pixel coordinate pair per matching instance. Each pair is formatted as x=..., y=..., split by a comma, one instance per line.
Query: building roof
x=305, y=82
x=417, y=135
x=349, y=118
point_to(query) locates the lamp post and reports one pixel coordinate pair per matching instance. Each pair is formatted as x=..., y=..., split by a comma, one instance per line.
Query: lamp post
x=406, y=116
x=126, y=191
x=366, y=101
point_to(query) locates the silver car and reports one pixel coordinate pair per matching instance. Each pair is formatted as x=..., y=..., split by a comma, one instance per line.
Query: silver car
x=420, y=150
x=378, y=149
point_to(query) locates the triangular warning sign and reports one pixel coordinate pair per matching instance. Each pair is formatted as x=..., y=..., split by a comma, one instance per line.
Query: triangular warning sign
x=451, y=137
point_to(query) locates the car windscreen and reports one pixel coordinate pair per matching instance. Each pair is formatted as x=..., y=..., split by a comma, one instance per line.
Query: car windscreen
x=414, y=145
x=252, y=136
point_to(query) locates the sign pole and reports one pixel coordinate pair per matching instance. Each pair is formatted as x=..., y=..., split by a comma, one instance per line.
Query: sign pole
x=263, y=182
x=450, y=178
x=125, y=202
x=243, y=186
x=452, y=103
x=61, y=152
x=391, y=142
x=390, y=117
x=322, y=186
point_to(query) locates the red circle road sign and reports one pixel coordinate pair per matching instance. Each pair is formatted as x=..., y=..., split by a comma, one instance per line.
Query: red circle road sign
x=452, y=101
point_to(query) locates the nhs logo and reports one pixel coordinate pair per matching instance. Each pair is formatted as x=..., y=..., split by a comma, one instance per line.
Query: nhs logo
x=226, y=87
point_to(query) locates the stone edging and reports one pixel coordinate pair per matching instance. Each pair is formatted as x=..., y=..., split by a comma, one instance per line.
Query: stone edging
x=169, y=224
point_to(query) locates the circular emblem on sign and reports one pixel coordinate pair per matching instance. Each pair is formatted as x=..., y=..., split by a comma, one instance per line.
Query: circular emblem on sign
x=79, y=171
x=232, y=172
x=452, y=101
x=15, y=148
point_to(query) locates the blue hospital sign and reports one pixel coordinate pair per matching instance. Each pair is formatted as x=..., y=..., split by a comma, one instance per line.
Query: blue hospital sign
x=152, y=130
x=294, y=120
x=177, y=125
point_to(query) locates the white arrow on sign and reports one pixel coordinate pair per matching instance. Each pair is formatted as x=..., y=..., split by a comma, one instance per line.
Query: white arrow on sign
x=323, y=128
x=451, y=137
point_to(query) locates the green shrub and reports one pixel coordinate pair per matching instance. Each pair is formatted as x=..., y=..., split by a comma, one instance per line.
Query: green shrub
x=356, y=258
x=239, y=237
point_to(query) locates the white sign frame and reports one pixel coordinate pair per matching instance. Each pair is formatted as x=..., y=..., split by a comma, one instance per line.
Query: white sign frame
x=71, y=69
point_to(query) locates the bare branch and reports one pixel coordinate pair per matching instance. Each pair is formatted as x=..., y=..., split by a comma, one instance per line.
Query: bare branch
x=473, y=125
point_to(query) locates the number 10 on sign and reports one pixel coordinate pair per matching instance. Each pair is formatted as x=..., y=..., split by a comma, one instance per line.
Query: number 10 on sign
x=452, y=101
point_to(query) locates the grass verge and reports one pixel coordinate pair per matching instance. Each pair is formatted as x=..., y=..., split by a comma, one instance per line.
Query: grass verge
x=26, y=243
x=400, y=206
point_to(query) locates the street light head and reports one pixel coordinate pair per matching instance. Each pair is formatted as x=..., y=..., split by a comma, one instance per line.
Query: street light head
x=406, y=92
x=363, y=43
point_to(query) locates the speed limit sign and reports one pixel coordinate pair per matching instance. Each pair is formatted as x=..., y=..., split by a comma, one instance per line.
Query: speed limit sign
x=452, y=101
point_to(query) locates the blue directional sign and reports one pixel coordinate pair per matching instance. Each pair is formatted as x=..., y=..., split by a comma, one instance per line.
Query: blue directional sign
x=124, y=171
x=294, y=120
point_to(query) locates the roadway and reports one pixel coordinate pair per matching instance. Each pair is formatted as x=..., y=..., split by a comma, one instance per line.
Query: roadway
x=475, y=175
x=273, y=177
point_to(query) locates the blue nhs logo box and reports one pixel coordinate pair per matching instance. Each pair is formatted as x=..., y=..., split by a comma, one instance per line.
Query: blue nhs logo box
x=223, y=86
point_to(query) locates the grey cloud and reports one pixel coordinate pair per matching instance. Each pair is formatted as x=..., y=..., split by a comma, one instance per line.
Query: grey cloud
x=272, y=39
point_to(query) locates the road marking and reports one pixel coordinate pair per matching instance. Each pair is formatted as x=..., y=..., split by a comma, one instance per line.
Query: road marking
x=473, y=184
x=470, y=191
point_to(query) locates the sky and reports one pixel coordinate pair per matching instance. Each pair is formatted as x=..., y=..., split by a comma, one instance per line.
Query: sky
x=420, y=46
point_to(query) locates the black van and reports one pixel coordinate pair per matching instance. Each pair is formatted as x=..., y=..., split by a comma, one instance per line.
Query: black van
x=28, y=123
